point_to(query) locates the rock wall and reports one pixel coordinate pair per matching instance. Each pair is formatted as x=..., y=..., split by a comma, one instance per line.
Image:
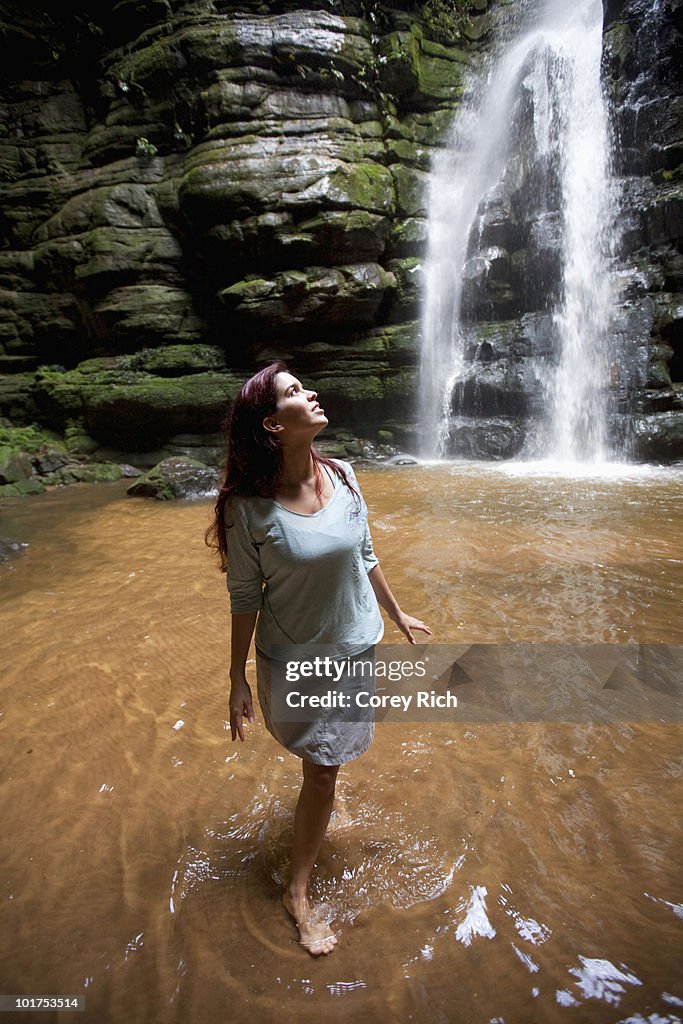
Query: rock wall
x=643, y=47
x=188, y=187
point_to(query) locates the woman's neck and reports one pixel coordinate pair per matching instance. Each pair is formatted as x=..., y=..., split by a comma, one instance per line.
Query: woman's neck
x=297, y=465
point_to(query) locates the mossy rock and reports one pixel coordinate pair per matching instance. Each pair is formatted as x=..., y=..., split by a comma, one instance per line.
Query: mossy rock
x=175, y=477
x=363, y=186
x=409, y=237
x=344, y=236
x=176, y=360
x=26, y=452
x=151, y=310
x=15, y=465
x=17, y=400
x=77, y=440
x=92, y=473
x=659, y=437
x=159, y=407
x=399, y=63
x=400, y=342
x=303, y=300
x=22, y=488
x=333, y=449
x=406, y=151
x=442, y=77
x=409, y=275
x=619, y=43
x=353, y=389
x=31, y=439
x=118, y=407
x=411, y=190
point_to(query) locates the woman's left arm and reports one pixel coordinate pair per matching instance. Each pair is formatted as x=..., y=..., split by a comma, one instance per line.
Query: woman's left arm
x=406, y=623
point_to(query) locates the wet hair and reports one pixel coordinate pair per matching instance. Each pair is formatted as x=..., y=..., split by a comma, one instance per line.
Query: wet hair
x=254, y=464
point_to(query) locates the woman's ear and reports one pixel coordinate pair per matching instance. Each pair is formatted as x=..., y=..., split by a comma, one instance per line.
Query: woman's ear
x=271, y=425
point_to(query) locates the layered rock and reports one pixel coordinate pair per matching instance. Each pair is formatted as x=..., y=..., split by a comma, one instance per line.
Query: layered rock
x=642, y=45
x=250, y=177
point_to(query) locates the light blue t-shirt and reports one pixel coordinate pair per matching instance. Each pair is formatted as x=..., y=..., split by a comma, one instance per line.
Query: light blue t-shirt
x=306, y=575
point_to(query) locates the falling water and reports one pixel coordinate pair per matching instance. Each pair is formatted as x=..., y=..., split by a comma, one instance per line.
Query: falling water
x=533, y=140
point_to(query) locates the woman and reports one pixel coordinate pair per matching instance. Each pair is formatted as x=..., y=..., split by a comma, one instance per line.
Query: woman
x=291, y=529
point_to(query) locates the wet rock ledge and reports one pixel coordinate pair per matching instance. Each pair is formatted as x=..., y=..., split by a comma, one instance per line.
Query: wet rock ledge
x=190, y=187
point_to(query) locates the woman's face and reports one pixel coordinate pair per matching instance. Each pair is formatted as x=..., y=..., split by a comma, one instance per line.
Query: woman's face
x=298, y=412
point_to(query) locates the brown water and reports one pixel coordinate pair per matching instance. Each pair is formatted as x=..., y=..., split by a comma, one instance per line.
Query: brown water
x=507, y=873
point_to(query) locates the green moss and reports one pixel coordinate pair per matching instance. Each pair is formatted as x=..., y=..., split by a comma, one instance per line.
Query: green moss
x=365, y=186
x=441, y=79
x=402, y=384
x=254, y=288
x=77, y=439
x=399, y=63
x=452, y=53
x=406, y=152
x=445, y=19
x=619, y=41
x=161, y=393
x=411, y=190
x=21, y=488
x=33, y=439
x=354, y=389
x=99, y=472
x=100, y=364
x=674, y=175
x=399, y=341
x=175, y=360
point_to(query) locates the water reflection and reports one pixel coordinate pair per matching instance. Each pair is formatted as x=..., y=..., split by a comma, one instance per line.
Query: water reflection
x=518, y=872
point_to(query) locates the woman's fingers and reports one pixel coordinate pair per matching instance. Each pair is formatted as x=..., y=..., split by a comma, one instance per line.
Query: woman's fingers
x=237, y=715
x=409, y=623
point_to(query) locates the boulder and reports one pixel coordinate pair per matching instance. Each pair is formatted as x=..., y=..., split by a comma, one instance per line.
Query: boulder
x=176, y=477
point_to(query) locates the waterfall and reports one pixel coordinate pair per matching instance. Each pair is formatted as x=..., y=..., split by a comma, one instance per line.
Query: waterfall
x=519, y=291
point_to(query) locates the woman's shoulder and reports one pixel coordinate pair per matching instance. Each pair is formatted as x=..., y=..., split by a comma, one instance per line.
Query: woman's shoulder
x=233, y=510
x=345, y=466
x=243, y=506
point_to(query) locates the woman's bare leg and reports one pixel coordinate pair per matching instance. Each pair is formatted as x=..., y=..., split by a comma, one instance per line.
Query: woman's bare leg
x=310, y=822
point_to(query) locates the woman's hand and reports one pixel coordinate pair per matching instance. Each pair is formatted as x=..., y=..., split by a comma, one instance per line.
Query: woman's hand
x=241, y=707
x=407, y=623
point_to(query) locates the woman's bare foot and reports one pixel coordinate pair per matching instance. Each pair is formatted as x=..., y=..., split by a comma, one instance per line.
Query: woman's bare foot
x=315, y=936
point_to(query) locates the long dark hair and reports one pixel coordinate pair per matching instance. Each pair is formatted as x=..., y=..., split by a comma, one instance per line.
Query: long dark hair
x=254, y=464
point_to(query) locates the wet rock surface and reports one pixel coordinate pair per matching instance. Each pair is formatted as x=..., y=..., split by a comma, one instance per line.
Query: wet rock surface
x=176, y=478
x=246, y=180
x=641, y=62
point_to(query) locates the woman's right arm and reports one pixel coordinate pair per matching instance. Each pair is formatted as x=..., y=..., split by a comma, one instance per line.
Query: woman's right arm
x=244, y=583
x=241, y=705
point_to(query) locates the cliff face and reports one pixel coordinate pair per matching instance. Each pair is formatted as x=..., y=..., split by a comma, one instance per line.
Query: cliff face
x=189, y=186
x=642, y=52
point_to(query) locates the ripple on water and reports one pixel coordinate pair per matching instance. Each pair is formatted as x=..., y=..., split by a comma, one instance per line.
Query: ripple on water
x=369, y=858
